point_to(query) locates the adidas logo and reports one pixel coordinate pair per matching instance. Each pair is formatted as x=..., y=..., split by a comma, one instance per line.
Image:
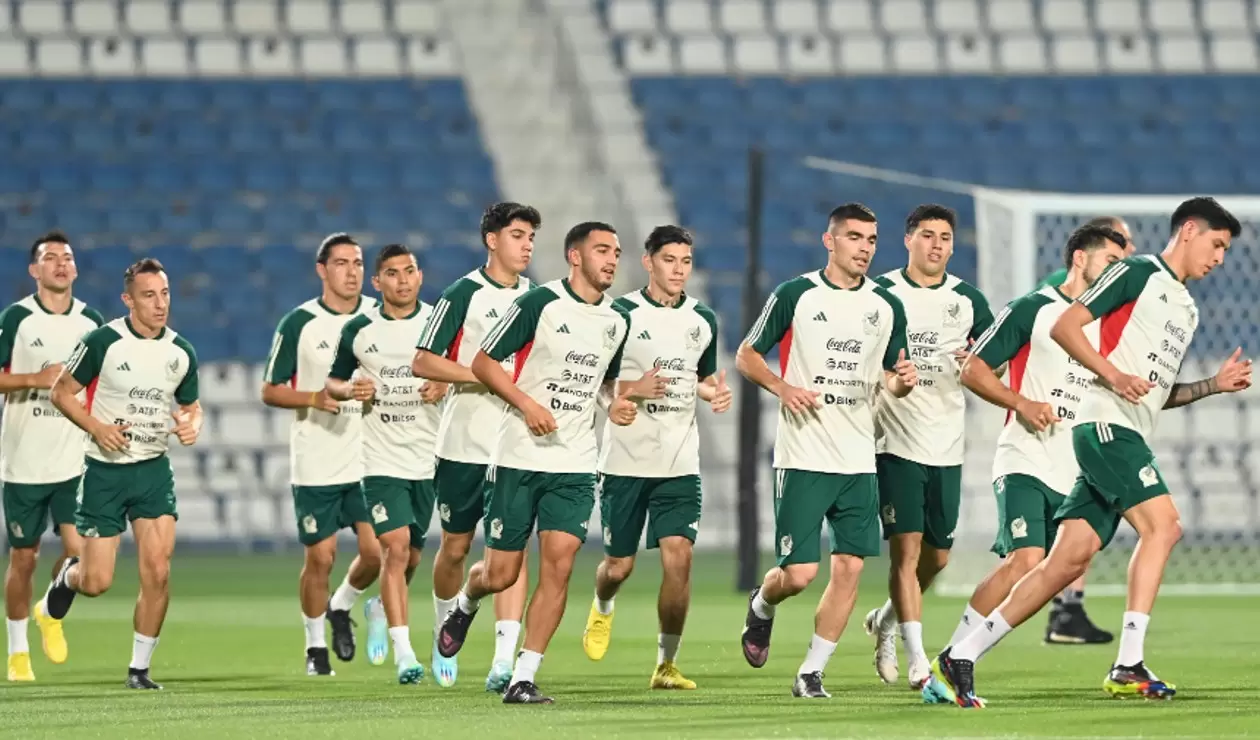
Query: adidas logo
x=38, y=342
x=493, y=314
x=371, y=350
x=644, y=335
x=1131, y=626
x=322, y=345
x=989, y=625
x=124, y=368
x=564, y=329
x=820, y=316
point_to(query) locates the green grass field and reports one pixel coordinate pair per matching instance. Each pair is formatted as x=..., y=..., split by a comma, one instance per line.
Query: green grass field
x=231, y=659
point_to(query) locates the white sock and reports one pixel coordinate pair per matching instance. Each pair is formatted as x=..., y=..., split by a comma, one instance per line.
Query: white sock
x=401, y=639
x=667, y=647
x=17, y=636
x=990, y=633
x=441, y=610
x=343, y=598
x=467, y=605
x=315, y=637
x=527, y=664
x=604, y=607
x=887, y=618
x=761, y=608
x=970, y=620
x=506, y=633
x=1132, y=638
x=820, y=651
x=142, y=651
x=912, y=638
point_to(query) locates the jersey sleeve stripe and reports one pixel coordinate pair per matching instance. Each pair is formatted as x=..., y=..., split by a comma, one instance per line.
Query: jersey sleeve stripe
x=1112, y=276
x=755, y=332
x=435, y=322
x=276, y=343
x=989, y=333
x=501, y=328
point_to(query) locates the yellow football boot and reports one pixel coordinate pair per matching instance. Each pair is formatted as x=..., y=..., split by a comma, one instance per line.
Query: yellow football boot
x=598, y=634
x=54, y=639
x=20, y=667
x=667, y=676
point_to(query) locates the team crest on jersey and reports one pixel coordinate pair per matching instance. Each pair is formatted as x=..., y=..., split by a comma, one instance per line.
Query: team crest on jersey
x=693, y=338
x=1019, y=528
x=1148, y=476
x=889, y=514
x=172, y=368
x=610, y=337
x=870, y=323
x=496, y=529
x=379, y=514
x=953, y=314
x=309, y=524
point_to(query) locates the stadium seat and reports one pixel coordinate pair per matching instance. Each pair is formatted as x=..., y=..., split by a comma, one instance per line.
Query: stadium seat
x=256, y=17
x=795, y=16
x=147, y=17
x=741, y=16
x=1180, y=53
x=849, y=17
x=41, y=17
x=1224, y=16
x=1010, y=16
x=94, y=17
x=688, y=16
x=417, y=17
x=309, y=17
x=362, y=17
x=902, y=16
x=1171, y=16
x=957, y=16
x=202, y=17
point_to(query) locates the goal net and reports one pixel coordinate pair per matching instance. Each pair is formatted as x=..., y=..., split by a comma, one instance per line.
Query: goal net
x=1204, y=449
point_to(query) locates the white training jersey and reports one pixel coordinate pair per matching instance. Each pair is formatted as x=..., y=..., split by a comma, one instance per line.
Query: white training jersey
x=325, y=449
x=927, y=425
x=1146, y=321
x=37, y=443
x=133, y=380
x=461, y=320
x=565, y=349
x=838, y=342
x=1041, y=371
x=399, y=428
x=680, y=340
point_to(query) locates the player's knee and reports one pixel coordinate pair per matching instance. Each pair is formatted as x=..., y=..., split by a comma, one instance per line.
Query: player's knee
x=905, y=550
x=319, y=561
x=1019, y=562
x=846, y=567
x=395, y=554
x=676, y=555
x=499, y=578
x=155, y=575
x=22, y=561
x=618, y=570
x=796, y=578
x=454, y=549
x=94, y=582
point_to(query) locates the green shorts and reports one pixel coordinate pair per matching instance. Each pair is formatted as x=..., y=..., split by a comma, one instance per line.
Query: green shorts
x=322, y=510
x=394, y=503
x=29, y=506
x=625, y=502
x=914, y=497
x=1026, y=509
x=113, y=493
x=802, y=498
x=460, y=495
x=1118, y=472
x=560, y=502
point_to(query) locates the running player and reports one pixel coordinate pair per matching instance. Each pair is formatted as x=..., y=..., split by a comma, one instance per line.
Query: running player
x=461, y=320
x=1148, y=319
x=546, y=452
x=841, y=338
x=41, y=458
x=134, y=370
x=325, y=449
x=921, y=451
x=653, y=466
x=398, y=433
x=1034, y=467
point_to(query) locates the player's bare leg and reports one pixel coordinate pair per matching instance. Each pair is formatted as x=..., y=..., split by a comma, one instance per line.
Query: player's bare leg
x=448, y=576
x=672, y=604
x=317, y=565
x=396, y=556
x=18, y=577
x=155, y=543
x=71, y=547
x=779, y=585
x=830, y=618
x=363, y=572
x=557, y=551
x=509, y=610
x=915, y=565
x=609, y=575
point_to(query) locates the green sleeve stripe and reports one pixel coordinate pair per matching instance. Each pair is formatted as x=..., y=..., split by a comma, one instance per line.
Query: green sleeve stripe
x=1109, y=277
x=85, y=362
x=897, y=340
x=282, y=360
x=435, y=323
x=93, y=315
x=10, y=319
x=708, y=359
x=981, y=314
x=983, y=342
x=188, y=390
x=344, y=360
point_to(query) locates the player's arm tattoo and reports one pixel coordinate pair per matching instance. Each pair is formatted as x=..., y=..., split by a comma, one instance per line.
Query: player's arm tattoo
x=1186, y=393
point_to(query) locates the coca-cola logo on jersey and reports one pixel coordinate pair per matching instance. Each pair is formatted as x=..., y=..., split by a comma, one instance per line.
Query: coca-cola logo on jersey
x=402, y=371
x=589, y=359
x=925, y=337
x=851, y=346
x=146, y=394
x=670, y=363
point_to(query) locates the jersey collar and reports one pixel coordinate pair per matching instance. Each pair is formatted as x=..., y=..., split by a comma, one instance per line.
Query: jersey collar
x=411, y=315
x=486, y=276
x=138, y=335
x=569, y=288
x=822, y=275
x=326, y=307
x=682, y=298
x=1159, y=259
x=1059, y=293
x=905, y=275
x=48, y=310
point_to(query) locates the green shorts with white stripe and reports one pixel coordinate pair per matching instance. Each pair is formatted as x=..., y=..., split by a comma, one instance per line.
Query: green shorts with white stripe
x=1118, y=472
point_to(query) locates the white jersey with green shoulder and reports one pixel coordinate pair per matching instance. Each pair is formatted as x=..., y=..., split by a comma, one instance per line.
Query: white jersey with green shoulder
x=37, y=443
x=325, y=449
x=680, y=340
x=927, y=425
x=838, y=342
x=565, y=349
x=1041, y=371
x=399, y=428
x=1146, y=321
x=462, y=318
x=136, y=381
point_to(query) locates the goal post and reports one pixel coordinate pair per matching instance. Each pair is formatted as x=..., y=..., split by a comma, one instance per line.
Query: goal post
x=1205, y=449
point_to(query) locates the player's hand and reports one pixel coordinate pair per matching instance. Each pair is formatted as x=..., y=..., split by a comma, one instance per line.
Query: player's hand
x=623, y=411
x=798, y=400
x=1036, y=415
x=184, y=429
x=433, y=391
x=539, y=420
x=110, y=437
x=325, y=402
x=45, y=378
x=722, y=396
x=962, y=355
x=1130, y=387
x=1235, y=374
x=906, y=370
x=651, y=385
x=363, y=389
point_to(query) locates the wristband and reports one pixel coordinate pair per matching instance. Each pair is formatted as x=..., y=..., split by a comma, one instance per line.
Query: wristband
x=314, y=399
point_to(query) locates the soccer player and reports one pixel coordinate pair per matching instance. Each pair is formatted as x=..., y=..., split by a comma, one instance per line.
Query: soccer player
x=325, y=449
x=567, y=339
x=134, y=370
x=1147, y=321
x=1034, y=468
x=41, y=454
x=1068, y=623
x=841, y=338
x=653, y=466
x=462, y=318
x=398, y=432
x=921, y=451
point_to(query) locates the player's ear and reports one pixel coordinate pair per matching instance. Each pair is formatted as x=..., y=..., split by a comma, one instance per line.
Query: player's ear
x=322, y=270
x=376, y=283
x=647, y=262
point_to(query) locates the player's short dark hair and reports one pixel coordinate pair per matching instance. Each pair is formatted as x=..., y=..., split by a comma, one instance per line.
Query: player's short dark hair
x=145, y=266
x=1109, y=222
x=52, y=237
x=851, y=211
x=390, y=251
x=1089, y=237
x=578, y=233
x=333, y=240
x=1208, y=211
x=501, y=215
x=931, y=212
x=663, y=235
